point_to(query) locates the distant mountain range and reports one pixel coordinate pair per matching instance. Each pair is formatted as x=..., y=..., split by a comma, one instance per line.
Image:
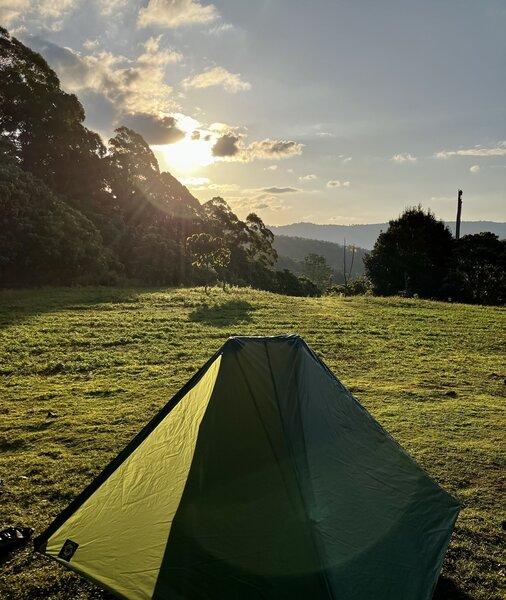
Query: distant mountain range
x=292, y=251
x=364, y=236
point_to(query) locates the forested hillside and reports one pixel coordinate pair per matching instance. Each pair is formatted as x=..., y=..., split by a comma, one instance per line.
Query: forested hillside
x=292, y=251
x=365, y=236
x=74, y=209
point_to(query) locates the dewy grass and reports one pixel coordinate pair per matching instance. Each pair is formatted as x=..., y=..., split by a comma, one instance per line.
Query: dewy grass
x=104, y=361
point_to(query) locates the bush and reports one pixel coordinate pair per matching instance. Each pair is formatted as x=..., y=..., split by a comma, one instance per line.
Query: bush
x=289, y=284
x=356, y=287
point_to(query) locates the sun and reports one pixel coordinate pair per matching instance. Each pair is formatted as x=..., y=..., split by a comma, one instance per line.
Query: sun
x=186, y=156
x=191, y=153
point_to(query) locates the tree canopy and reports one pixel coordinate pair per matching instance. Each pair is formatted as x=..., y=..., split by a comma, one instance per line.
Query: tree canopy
x=411, y=257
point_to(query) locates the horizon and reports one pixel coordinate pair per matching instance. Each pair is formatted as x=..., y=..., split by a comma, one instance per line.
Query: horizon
x=349, y=116
x=446, y=221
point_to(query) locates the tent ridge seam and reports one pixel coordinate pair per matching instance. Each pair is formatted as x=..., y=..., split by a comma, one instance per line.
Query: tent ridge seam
x=294, y=467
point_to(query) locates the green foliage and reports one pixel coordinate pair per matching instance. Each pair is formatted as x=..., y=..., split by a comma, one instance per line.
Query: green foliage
x=42, y=239
x=411, y=257
x=208, y=253
x=100, y=359
x=417, y=257
x=45, y=125
x=154, y=257
x=479, y=269
x=289, y=284
x=355, y=287
x=315, y=268
x=292, y=251
x=260, y=242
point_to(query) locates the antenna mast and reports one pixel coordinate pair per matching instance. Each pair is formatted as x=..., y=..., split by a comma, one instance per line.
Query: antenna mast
x=459, y=211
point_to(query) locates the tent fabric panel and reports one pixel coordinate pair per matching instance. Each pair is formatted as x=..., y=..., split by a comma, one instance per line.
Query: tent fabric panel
x=241, y=529
x=381, y=524
x=40, y=541
x=122, y=528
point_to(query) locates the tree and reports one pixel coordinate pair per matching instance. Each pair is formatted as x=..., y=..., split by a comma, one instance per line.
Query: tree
x=250, y=242
x=315, y=268
x=411, y=257
x=479, y=269
x=45, y=126
x=155, y=257
x=289, y=284
x=260, y=242
x=208, y=253
x=346, y=273
x=43, y=240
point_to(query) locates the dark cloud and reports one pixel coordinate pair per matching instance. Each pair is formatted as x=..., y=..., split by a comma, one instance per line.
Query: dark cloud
x=226, y=145
x=280, y=190
x=101, y=113
x=153, y=129
x=269, y=149
x=196, y=135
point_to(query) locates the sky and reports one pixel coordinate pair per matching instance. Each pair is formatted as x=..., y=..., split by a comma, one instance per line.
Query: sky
x=326, y=111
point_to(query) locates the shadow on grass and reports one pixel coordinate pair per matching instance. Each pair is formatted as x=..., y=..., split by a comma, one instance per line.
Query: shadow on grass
x=447, y=590
x=223, y=315
x=18, y=305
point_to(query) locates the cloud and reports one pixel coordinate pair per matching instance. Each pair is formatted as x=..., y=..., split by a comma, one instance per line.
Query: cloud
x=44, y=12
x=271, y=168
x=224, y=187
x=131, y=86
x=273, y=149
x=155, y=130
x=12, y=10
x=309, y=177
x=403, y=157
x=176, y=13
x=280, y=190
x=226, y=146
x=161, y=58
x=498, y=150
x=111, y=7
x=246, y=204
x=474, y=168
x=232, y=147
x=218, y=77
x=91, y=44
x=155, y=56
x=219, y=29
x=334, y=183
x=195, y=181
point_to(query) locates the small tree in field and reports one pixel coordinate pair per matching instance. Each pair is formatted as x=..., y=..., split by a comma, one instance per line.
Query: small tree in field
x=208, y=253
x=316, y=269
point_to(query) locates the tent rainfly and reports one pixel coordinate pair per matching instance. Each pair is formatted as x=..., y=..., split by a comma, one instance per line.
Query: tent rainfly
x=263, y=478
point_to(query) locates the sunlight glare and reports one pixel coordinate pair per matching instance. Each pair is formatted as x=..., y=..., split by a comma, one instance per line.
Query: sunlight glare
x=187, y=156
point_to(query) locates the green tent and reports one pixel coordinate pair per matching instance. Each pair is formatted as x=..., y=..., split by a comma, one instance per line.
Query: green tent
x=263, y=478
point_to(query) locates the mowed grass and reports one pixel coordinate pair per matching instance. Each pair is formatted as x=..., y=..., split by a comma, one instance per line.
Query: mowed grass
x=106, y=360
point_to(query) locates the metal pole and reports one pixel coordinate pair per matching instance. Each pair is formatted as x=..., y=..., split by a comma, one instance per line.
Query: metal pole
x=459, y=211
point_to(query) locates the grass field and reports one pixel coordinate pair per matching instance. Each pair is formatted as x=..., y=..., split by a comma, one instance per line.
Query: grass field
x=105, y=360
